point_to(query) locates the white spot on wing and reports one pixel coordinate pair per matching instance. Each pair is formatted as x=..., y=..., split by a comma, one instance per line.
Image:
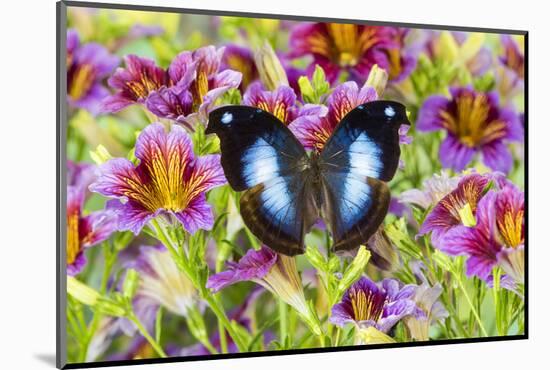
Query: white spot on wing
x=227, y=118
x=389, y=111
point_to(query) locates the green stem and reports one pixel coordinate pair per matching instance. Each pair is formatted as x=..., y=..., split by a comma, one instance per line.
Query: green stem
x=472, y=307
x=213, y=302
x=216, y=307
x=109, y=263
x=223, y=338
x=156, y=346
x=282, y=320
x=209, y=346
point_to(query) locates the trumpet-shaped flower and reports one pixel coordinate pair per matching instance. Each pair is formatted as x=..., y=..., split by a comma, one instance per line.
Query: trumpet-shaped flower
x=426, y=297
x=496, y=238
x=510, y=217
x=87, y=66
x=84, y=231
x=367, y=304
x=446, y=215
x=313, y=131
x=433, y=189
x=240, y=59
x=475, y=124
x=162, y=283
x=275, y=272
x=315, y=124
x=510, y=76
x=134, y=83
x=191, y=99
x=351, y=48
x=169, y=179
x=513, y=57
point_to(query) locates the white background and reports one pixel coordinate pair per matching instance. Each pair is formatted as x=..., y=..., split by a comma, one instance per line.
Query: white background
x=27, y=181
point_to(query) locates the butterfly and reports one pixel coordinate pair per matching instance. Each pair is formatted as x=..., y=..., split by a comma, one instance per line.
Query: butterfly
x=286, y=189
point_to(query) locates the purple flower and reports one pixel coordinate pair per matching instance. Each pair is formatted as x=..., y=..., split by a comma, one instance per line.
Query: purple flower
x=87, y=66
x=474, y=124
x=134, y=83
x=426, y=298
x=240, y=59
x=510, y=218
x=84, y=231
x=513, y=58
x=169, y=179
x=351, y=48
x=511, y=74
x=496, y=238
x=446, y=215
x=433, y=190
x=314, y=124
x=80, y=175
x=194, y=96
x=275, y=272
x=382, y=305
x=281, y=102
x=314, y=130
x=478, y=242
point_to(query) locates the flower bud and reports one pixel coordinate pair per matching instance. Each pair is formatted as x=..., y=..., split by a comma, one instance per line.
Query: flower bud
x=82, y=292
x=100, y=155
x=131, y=283
x=378, y=79
x=355, y=269
x=271, y=71
x=371, y=335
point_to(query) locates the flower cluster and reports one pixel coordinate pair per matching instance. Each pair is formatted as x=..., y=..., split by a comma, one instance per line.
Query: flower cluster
x=185, y=92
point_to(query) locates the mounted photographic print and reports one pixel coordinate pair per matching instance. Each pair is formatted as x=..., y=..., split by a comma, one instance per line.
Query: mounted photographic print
x=236, y=185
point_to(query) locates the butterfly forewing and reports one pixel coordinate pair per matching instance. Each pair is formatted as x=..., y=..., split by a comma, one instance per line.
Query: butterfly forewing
x=361, y=155
x=261, y=156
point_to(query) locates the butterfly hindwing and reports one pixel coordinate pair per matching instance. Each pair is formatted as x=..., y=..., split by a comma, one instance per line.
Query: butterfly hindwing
x=263, y=158
x=360, y=156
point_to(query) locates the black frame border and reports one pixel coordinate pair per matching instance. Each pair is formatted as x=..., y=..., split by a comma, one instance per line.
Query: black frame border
x=61, y=127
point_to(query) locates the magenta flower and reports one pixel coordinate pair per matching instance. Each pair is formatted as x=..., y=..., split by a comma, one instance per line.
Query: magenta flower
x=240, y=59
x=87, y=66
x=280, y=102
x=314, y=130
x=275, y=272
x=446, y=215
x=433, y=189
x=383, y=305
x=426, y=297
x=134, y=83
x=84, y=231
x=80, y=174
x=496, y=238
x=511, y=74
x=169, y=180
x=510, y=228
x=475, y=124
x=194, y=96
x=513, y=58
x=351, y=48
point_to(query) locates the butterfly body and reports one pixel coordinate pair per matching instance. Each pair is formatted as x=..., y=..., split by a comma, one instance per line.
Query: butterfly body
x=286, y=189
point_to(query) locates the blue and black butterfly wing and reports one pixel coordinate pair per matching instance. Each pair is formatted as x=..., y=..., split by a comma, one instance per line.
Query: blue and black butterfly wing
x=356, y=162
x=261, y=157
